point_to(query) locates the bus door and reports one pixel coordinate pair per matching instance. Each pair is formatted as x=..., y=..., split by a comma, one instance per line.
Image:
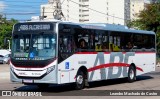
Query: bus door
x=66, y=48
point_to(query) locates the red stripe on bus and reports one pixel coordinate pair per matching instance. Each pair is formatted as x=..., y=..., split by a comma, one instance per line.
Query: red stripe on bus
x=112, y=65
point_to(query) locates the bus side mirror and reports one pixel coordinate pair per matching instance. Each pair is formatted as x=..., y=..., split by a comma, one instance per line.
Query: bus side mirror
x=134, y=47
x=7, y=42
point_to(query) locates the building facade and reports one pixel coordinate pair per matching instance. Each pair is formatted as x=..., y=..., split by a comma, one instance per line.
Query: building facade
x=136, y=6
x=92, y=11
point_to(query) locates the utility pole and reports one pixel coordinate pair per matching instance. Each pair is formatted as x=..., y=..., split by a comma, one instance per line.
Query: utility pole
x=43, y=11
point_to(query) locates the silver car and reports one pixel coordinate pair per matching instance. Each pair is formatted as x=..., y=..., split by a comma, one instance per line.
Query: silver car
x=4, y=59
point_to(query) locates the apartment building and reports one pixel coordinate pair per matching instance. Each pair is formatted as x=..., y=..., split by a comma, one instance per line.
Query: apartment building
x=136, y=6
x=92, y=11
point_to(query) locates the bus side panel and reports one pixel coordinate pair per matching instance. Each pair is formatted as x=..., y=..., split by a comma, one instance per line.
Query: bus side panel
x=98, y=65
x=103, y=66
x=146, y=61
x=67, y=70
x=73, y=63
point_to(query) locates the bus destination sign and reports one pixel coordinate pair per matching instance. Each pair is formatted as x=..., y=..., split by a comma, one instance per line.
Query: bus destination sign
x=34, y=27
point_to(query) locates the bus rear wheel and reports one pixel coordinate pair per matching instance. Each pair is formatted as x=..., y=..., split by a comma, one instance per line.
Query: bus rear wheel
x=131, y=74
x=80, y=81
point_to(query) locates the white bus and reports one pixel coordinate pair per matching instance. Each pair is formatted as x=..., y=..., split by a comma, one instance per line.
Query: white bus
x=56, y=52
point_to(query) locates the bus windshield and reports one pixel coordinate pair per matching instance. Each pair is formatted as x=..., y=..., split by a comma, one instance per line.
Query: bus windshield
x=34, y=46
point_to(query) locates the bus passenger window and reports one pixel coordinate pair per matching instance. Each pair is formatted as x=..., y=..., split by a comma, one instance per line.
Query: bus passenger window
x=82, y=44
x=110, y=47
x=129, y=45
x=98, y=47
x=104, y=47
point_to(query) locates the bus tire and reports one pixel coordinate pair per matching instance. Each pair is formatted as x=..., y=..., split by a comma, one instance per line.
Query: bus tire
x=80, y=81
x=131, y=74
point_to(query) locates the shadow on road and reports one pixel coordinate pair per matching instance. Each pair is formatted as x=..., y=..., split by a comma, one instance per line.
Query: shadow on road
x=51, y=88
x=117, y=81
x=70, y=88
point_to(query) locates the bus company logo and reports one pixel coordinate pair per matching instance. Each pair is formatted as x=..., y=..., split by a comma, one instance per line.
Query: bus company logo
x=121, y=65
x=6, y=93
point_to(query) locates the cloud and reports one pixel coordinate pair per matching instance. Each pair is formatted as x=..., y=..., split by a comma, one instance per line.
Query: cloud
x=2, y=6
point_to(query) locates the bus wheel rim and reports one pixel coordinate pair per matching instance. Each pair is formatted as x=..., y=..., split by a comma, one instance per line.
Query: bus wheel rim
x=80, y=79
x=131, y=74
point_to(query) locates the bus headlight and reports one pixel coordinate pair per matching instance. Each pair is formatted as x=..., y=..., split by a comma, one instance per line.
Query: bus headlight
x=50, y=69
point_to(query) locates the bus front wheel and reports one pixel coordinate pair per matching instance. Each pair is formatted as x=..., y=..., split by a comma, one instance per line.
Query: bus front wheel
x=80, y=80
x=131, y=74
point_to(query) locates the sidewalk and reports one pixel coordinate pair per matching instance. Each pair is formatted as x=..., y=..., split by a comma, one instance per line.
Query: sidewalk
x=4, y=72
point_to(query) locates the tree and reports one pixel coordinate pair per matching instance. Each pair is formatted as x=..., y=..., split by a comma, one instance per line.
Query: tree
x=149, y=19
x=5, y=31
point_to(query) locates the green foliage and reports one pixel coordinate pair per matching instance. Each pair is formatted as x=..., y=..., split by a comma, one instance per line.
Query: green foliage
x=5, y=31
x=149, y=19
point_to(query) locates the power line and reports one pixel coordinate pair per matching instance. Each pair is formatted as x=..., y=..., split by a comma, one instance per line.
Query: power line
x=98, y=11
x=50, y=12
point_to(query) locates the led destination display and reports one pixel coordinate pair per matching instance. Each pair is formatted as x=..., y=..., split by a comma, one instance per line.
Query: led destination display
x=34, y=27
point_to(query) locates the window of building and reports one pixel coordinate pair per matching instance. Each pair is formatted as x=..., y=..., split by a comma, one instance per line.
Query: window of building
x=85, y=0
x=85, y=10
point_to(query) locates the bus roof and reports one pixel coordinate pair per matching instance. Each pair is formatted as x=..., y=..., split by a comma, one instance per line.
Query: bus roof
x=101, y=26
x=110, y=27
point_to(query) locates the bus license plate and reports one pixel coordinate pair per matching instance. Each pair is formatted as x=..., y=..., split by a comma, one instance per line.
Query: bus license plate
x=27, y=81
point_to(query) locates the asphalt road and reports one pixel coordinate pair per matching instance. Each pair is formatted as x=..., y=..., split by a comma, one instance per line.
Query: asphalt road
x=97, y=90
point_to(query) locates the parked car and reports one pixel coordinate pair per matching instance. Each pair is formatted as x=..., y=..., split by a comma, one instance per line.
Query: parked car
x=4, y=59
x=1, y=59
x=4, y=52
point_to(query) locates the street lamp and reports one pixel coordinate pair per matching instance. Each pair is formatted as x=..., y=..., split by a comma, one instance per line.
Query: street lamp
x=9, y=45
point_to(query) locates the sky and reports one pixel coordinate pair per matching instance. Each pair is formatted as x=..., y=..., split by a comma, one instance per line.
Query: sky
x=21, y=10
